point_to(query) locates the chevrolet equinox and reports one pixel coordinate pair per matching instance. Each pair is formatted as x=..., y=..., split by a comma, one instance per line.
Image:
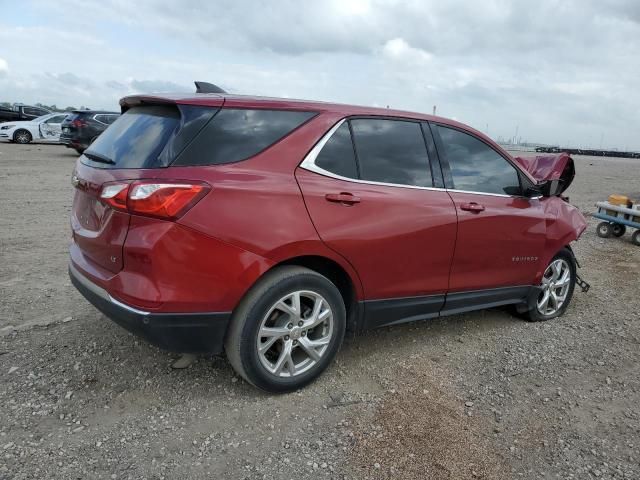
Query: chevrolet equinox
x=265, y=228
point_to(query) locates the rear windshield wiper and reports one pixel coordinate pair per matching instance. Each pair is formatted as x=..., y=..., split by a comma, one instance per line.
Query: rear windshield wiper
x=96, y=157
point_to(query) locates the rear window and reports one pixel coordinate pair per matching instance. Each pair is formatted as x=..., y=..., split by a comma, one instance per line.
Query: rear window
x=233, y=135
x=135, y=139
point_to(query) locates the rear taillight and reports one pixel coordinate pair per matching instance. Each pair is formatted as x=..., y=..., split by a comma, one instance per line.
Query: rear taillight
x=167, y=200
x=115, y=195
x=79, y=123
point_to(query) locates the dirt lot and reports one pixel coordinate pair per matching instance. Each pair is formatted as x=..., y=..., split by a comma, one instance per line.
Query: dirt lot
x=481, y=395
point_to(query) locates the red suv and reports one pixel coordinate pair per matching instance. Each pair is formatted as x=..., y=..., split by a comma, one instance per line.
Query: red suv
x=266, y=228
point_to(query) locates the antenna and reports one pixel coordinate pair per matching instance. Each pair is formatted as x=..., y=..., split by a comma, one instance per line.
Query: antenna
x=206, y=87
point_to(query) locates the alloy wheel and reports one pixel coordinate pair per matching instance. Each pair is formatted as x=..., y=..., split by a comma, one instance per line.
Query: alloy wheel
x=23, y=137
x=295, y=333
x=555, y=287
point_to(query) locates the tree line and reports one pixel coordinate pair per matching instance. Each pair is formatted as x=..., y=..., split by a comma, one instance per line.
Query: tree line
x=53, y=108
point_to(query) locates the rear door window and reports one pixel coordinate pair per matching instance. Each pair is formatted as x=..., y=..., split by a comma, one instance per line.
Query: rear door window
x=135, y=139
x=391, y=151
x=337, y=155
x=475, y=166
x=56, y=119
x=233, y=135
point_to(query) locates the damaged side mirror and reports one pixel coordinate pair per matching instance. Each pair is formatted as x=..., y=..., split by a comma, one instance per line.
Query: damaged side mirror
x=532, y=191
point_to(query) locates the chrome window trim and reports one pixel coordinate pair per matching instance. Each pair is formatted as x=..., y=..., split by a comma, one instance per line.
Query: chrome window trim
x=309, y=164
x=484, y=193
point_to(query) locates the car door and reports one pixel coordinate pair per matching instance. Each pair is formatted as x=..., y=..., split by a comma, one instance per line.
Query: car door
x=501, y=233
x=369, y=188
x=51, y=129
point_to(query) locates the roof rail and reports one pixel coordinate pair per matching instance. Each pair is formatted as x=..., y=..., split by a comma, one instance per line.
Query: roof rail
x=206, y=87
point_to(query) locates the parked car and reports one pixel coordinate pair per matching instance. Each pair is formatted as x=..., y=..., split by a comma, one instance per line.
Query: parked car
x=19, y=113
x=82, y=127
x=42, y=129
x=266, y=227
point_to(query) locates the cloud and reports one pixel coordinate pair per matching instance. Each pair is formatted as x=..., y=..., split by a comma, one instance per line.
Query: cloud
x=557, y=69
x=4, y=67
x=399, y=49
x=155, y=86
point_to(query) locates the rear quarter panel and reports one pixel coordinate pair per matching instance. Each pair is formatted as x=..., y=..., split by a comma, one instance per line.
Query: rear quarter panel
x=257, y=205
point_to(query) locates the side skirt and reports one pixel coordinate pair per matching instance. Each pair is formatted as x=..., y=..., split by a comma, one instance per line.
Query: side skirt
x=380, y=313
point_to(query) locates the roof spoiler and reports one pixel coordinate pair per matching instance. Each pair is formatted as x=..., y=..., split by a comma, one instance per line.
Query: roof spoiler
x=206, y=87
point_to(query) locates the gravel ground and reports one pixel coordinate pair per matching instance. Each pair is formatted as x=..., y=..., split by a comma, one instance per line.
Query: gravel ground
x=481, y=395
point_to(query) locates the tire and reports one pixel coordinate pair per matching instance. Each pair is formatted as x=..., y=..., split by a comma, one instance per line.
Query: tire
x=266, y=308
x=604, y=230
x=540, y=311
x=635, y=238
x=22, y=136
x=618, y=230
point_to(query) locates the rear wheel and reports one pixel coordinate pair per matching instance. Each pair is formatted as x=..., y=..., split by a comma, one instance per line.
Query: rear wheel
x=618, y=230
x=22, y=136
x=635, y=238
x=604, y=229
x=287, y=329
x=556, y=288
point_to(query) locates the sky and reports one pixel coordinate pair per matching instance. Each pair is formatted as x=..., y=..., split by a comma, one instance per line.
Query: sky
x=561, y=72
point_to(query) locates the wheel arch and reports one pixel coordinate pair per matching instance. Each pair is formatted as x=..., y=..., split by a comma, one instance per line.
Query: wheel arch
x=552, y=252
x=349, y=287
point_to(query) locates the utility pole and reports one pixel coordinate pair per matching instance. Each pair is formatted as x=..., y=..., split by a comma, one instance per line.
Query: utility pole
x=434, y=110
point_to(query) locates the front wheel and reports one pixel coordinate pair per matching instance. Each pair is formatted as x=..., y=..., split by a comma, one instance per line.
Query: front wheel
x=22, y=136
x=556, y=288
x=287, y=329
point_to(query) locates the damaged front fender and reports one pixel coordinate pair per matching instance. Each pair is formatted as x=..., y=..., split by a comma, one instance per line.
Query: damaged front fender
x=564, y=224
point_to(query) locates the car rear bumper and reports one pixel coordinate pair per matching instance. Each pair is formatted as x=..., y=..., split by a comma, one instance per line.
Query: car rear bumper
x=74, y=143
x=177, y=332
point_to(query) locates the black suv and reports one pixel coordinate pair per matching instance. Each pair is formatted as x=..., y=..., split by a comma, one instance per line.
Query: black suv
x=82, y=127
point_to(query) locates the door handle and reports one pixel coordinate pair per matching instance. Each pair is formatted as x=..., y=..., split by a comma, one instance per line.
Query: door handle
x=472, y=207
x=344, y=198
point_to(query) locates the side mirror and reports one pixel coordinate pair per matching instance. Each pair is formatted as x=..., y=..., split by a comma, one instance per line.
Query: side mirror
x=514, y=191
x=531, y=191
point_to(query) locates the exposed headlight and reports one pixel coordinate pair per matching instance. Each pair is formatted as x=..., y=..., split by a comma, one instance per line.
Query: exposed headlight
x=6, y=127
